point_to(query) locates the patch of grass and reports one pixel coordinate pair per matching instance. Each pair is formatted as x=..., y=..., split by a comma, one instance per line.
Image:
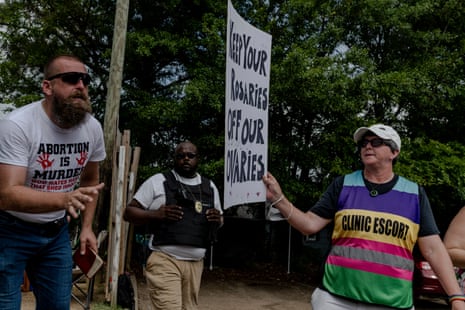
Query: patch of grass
x=103, y=306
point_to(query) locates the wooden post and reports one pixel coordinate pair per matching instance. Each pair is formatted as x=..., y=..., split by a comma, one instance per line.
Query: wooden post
x=124, y=224
x=116, y=74
x=111, y=119
x=111, y=124
x=131, y=190
x=116, y=237
x=111, y=228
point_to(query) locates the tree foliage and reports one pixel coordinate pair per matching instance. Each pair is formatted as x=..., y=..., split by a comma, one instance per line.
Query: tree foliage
x=336, y=65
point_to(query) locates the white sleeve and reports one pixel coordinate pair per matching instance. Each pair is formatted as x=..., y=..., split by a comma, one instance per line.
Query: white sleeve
x=14, y=144
x=97, y=133
x=151, y=194
x=216, y=197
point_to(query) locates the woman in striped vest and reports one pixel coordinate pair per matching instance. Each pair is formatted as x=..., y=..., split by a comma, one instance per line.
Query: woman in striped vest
x=378, y=218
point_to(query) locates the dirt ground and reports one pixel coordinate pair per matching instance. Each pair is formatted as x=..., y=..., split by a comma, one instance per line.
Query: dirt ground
x=231, y=289
x=227, y=289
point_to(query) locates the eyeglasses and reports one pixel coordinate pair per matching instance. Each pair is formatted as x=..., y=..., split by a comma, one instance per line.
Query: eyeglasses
x=376, y=142
x=72, y=78
x=183, y=155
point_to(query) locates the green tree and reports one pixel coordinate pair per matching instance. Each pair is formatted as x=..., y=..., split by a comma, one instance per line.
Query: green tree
x=35, y=30
x=415, y=82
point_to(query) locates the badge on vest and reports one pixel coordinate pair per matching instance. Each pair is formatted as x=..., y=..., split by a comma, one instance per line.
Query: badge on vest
x=198, y=206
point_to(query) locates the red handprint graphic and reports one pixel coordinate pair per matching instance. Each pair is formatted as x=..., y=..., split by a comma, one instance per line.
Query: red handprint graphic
x=44, y=161
x=81, y=161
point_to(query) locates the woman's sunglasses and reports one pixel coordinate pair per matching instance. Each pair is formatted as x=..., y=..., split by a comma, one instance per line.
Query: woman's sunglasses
x=376, y=142
x=72, y=78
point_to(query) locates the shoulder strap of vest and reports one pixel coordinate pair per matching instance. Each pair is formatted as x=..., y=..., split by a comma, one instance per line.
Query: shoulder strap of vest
x=171, y=181
x=205, y=184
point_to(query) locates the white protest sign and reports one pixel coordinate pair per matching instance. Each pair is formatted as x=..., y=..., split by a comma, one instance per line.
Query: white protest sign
x=248, y=53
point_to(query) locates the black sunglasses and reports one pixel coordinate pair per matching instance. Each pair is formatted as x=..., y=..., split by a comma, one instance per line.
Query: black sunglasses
x=183, y=155
x=376, y=142
x=72, y=78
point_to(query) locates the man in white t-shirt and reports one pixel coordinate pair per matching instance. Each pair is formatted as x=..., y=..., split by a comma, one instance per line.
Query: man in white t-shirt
x=183, y=211
x=49, y=167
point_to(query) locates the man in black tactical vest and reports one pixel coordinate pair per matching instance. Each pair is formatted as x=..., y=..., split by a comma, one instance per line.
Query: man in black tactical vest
x=183, y=211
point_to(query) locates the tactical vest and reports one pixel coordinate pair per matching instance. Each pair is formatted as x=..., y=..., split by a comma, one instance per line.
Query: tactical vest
x=371, y=255
x=193, y=229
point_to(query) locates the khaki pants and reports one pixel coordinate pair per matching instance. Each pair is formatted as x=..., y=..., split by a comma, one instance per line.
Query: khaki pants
x=173, y=284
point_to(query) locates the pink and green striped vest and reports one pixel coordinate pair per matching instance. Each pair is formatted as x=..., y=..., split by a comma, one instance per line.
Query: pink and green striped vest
x=371, y=255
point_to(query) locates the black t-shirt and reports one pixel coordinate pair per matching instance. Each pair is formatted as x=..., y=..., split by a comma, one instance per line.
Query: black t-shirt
x=327, y=207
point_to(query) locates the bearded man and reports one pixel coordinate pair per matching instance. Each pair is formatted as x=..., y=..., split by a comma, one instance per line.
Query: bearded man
x=49, y=167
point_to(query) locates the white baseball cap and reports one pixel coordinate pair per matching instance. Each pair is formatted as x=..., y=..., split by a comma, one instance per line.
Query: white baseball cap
x=380, y=130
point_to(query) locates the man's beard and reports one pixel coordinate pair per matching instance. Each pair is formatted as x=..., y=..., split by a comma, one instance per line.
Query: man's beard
x=68, y=112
